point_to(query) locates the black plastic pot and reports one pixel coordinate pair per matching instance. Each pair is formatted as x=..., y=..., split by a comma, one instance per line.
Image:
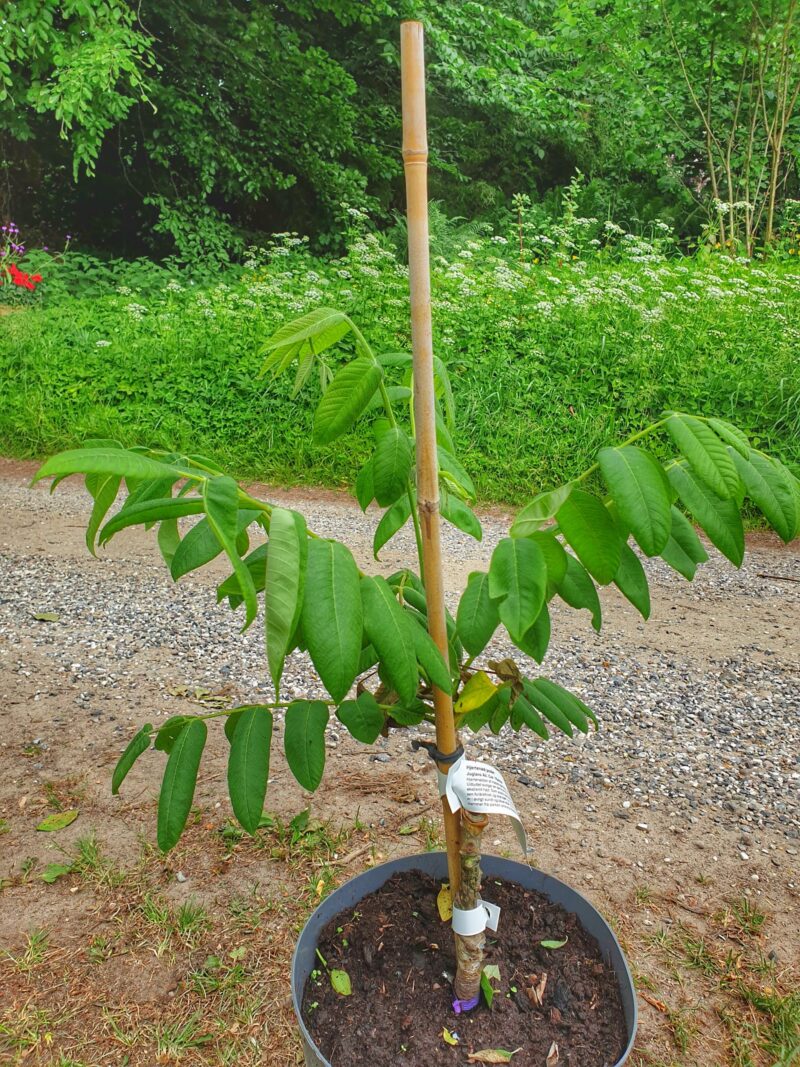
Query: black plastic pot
x=435, y=865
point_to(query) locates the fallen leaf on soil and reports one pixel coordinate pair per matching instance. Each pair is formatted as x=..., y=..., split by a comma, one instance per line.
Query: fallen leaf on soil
x=444, y=902
x=54, y=871
x=554, y=944
x=45, y=616
x=58, y=820
x=451, y=1039
x=552, y=1056
x=492, y=1055
x=659, y=1004
x=340, y=980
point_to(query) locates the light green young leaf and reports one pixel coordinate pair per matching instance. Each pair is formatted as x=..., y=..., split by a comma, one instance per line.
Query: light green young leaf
x=641, y=492
x=460, y=515
x=340, y=980
x=221, y=497
x=541, y=509
x=345, y=399
x=123, y=463
x=707, y=454
x=147, y=511
x=590, y=531
x=720, y=519
x=313, y=332
x=105, y=493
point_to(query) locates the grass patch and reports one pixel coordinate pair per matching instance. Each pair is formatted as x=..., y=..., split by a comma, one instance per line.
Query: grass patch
x=549, y=361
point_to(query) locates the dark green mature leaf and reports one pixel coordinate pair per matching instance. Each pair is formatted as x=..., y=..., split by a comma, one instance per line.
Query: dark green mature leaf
x=720, y=519
x=332, y=615
x=429, y=656
x=631, y=581
x=577, y=589
x=221, y=496
x=256, y=563
x=477, y=617
x=168, y=732
x=410, y=715
x=122, y=462
x=248, y=764
x=460, y=515
x=365, y=485
x=362, y=718
x=391, y=465
x=546, y=706
x=146, y=511
x=683, y=550
x=578, y=713
x=589, y=529
x=392, y=521
x=307, y=335
x=304, y=741
x=524, y=713
x=104, y=491
x=345, y=399
x=518, y=581
x=641, y=492
x=537, y=638
x=707, y=454
x=168, y=539
x=555, y=556
x=284, y=579
x=541, y=509
x=201, y=545
x=769, y=485
x=139, y=743
x=180, y=778
x=389, y=629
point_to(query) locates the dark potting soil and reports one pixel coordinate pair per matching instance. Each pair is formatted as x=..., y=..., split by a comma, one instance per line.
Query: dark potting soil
x=399, y=956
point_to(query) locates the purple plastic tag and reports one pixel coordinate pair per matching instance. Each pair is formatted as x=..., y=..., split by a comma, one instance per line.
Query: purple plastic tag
x=460, y=1006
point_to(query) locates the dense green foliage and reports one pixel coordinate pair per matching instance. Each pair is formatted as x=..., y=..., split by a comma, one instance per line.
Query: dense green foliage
x=573, y=352
x=184, y=126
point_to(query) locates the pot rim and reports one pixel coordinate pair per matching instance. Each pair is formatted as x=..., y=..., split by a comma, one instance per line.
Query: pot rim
x=423, y=861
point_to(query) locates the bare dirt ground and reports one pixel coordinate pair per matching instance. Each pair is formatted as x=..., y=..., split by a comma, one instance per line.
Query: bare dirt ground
x=130, y=957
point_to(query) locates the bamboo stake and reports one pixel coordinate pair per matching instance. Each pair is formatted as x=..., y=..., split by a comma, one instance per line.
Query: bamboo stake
x=415, y=161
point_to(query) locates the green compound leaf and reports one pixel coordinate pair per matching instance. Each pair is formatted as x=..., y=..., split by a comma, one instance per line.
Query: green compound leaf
x=707, y=454
x=641, y=492
x=115, y=461
x=304, y=337
x=332, y=615
x=304, y=741
x=221, y=496
x=518, y=581
x=578, y=590
x=180, y=778
x=769, y=485
x=391, y=465
x=138, y=744
x=284, y=583
x=248, y=764
x=590, y=531
x=720, y=519
x=477, y=617
x=393, y=520
x=683, y=550
x=345, y=399
x=541, y=509
x=362, y=718
x=631, y=581
x=389, y=629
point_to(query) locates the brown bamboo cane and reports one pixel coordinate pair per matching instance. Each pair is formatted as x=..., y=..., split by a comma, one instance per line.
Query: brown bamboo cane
x=415, y=162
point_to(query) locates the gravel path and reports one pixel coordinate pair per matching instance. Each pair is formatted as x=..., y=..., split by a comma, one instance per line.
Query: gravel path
x=699, y=709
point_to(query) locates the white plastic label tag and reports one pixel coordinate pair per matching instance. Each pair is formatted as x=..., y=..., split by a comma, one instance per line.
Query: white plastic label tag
x=480, y=788
x=476, y=920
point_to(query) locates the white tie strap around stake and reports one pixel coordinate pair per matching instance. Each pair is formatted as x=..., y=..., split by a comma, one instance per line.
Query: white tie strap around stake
x=467, y=922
